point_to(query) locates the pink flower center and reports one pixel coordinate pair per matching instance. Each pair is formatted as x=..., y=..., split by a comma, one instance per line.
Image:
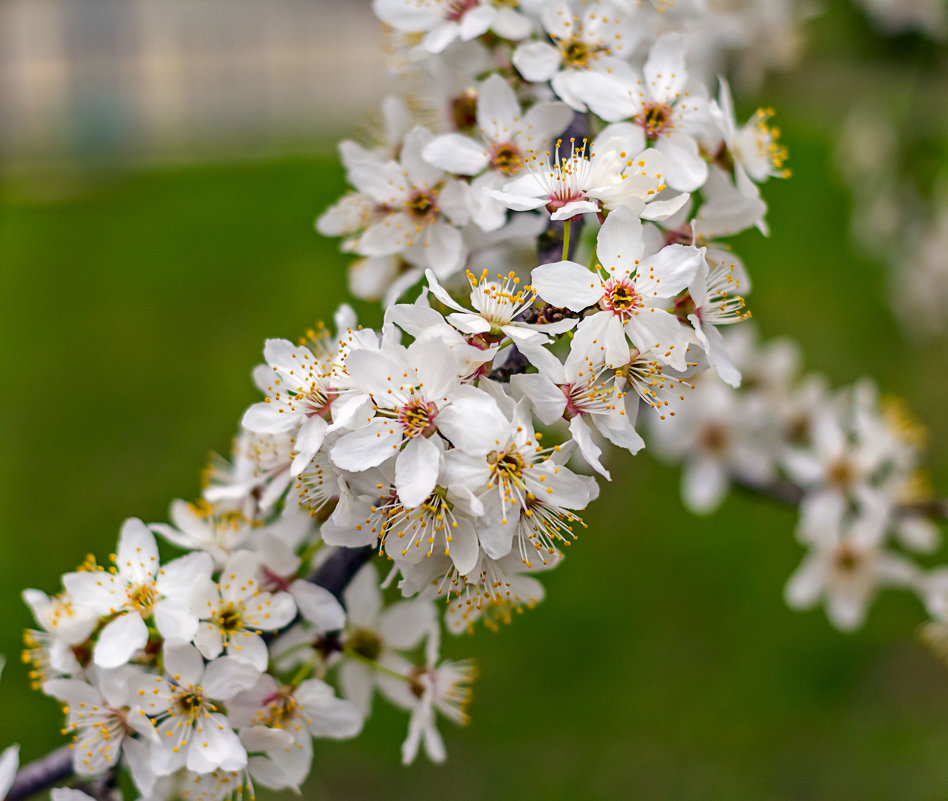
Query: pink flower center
x=621, y=298
x=655, y=118
x=506, y=158
x=417, y=417
x=319, y=400
x=423, y=204
x=458, y=8
x=572, y=407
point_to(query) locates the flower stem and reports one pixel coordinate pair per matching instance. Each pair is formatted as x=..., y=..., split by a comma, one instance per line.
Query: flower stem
x=305, y=671
x=566, y=226
x=306, y=557
x=374, y=665
x=293, y=649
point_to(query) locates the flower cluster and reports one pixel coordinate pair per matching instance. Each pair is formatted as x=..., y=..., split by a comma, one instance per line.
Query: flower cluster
x=548, y=231
x=900, y=215
x=849, y=458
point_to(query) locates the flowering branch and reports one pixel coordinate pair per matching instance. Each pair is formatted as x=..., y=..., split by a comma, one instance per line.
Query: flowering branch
x=38, y=776
x=460, y=438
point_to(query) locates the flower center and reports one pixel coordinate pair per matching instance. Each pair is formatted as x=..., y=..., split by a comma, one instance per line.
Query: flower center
x=506, y=466
x=417, y=417
x=621, y=298
x=458, y=8
x=280, y=707
x=229, y=618
x=714, y=438
x=190, y=702
x=798, y=430
x=464, y=109
x=847, y=559
x=319, y=399
x=655, y=118
x=841, y=473
x=684, y=306
x=506, y=158
x=142, y=597
x=576, y=53
x=422, y=204
x=365, y=643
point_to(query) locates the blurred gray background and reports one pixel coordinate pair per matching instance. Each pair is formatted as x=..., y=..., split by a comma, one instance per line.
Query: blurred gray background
x=181, y=79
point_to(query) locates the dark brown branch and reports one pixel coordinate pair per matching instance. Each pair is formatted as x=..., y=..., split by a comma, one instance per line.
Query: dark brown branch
x=42, y=774
x=789, y=493
x=780, y=490
x=56, y=767
x=338, y=570
x=934, y=509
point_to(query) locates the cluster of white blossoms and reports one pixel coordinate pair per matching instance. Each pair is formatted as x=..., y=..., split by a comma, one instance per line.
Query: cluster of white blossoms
x=899, y=215
x=927, y=17
x=547, y=227
x=850, y=459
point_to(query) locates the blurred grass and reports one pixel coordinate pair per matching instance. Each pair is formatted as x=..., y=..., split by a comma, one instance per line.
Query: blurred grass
x=663, y=663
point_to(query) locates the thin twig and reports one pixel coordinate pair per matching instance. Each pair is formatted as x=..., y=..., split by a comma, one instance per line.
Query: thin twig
x=789, y=493
x=42, y=774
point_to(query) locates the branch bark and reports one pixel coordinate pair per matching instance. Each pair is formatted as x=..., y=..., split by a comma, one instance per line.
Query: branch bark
x=42, y=774
x=789, y=493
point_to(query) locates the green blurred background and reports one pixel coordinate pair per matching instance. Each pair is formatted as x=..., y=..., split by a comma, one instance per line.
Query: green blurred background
x=663, y=663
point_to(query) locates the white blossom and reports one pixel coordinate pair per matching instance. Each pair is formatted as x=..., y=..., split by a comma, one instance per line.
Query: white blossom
x=137, y=591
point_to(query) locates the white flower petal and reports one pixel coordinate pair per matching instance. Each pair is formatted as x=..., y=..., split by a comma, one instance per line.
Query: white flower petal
x=806, y=584
x=137, y=557
x=367, y=447
x=64, y=793
x=318, y=605
x=620, y=242
x=573, y=209
x=497, y=109
x=537, y=61
x=567, y=284
x=664, y=72
x=249, y=648
x=227, y=676
x=685, y=170
x=119, y=641
x=704, y=484
x=215, y=744
x=546, y=398
x=183, y=662
x=177, y=579
x=589, y=450
x=457, y=154
x=444, y=249
x=356, y=681
x=416, y=471
x=308, y=440
x=656, y=329
x=328, y=716
x=363, y=598
x=404, y=624
x=473, y=422
x=463, y=548
x=175, y=621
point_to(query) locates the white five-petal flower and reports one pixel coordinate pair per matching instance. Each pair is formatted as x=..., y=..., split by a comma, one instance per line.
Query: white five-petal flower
x=139, y=590
x=632, y=294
